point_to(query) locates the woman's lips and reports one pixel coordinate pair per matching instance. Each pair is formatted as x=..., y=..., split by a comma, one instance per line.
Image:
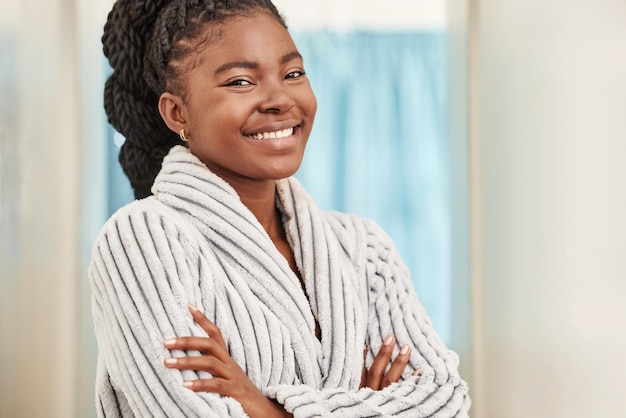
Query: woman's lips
x=283, y=133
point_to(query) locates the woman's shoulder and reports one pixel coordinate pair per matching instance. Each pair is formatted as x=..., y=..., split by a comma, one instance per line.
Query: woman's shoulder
x=355, y=224
x=145, y=219
x=137, y=210
x=362, y=238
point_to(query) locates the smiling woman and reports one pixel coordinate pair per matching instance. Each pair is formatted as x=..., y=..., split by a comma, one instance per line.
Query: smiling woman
x=224, y=290
x=258, y=91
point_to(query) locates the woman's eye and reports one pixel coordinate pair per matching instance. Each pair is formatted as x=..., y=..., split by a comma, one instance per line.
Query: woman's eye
x=239, y=82
x=295, y=74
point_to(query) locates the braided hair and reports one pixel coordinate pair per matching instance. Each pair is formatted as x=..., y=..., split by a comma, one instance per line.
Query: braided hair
x=146, y=42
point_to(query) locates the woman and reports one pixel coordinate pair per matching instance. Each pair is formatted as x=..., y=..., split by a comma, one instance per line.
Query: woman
x=227, y=292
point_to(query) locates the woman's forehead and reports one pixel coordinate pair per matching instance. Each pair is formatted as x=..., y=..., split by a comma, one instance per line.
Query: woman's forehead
x=246, y=38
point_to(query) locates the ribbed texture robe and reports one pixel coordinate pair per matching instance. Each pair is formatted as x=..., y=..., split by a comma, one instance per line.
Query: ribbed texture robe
x=194, y=242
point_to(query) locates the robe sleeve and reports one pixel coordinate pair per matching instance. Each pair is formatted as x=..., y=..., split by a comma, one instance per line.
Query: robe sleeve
x=393, y=309
x=144, y=273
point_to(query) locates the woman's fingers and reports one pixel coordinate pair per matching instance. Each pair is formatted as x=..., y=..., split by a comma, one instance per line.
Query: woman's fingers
x=209, y=327
x=376, y=372
x=397, y=367
x=202, y=344
x=378, y=377
x=210, y=364
x=206, y=346
x=215, y=385
x=211, y=346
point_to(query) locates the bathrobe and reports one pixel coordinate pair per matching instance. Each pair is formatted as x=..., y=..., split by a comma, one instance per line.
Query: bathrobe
x=194, y=243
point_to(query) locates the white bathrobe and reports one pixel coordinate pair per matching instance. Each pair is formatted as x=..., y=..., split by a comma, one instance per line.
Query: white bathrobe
x=194, y=242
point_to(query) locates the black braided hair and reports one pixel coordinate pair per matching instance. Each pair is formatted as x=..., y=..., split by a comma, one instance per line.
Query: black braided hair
x=145, y=42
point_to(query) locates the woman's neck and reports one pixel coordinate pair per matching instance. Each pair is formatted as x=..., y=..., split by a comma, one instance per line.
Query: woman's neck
x=261, y=200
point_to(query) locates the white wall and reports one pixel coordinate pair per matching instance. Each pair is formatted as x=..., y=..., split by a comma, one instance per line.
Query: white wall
x=39, y=269
x=548, y=146
x=51, y=132
x=371, y=14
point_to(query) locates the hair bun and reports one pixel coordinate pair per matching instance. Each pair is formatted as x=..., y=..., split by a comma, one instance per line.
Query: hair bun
x=130, y=104
x=141, y=167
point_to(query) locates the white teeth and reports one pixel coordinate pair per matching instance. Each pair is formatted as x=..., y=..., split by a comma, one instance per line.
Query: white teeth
x=273, y=135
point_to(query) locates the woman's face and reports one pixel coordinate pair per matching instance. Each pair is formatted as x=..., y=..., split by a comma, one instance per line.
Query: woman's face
x=249, y=106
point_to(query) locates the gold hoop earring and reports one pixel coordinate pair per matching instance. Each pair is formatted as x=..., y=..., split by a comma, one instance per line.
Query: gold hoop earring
x=182, y=135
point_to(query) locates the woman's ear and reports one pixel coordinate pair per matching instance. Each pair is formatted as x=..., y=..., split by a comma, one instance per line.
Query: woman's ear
x=172, y=110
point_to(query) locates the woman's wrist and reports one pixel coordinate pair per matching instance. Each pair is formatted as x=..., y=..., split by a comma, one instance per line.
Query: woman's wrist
x=280, y=410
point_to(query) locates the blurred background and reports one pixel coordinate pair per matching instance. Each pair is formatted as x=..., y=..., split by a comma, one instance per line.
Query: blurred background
x=487, y=137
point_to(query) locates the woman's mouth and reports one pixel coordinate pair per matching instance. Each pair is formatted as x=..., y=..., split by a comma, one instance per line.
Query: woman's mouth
x=284, y=133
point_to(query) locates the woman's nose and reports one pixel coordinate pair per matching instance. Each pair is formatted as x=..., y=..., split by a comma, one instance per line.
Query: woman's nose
x=276, y=99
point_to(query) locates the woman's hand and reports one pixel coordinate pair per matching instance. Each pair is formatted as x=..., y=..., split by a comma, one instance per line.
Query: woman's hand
x=228, y=378
x=376, y=378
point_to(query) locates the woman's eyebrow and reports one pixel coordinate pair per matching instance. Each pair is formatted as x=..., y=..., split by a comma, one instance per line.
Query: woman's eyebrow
x=254, y=65
x=290, y=56
x=237, y=64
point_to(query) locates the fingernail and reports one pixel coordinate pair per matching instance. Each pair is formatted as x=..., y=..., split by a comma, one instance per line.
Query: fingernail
x=388, y=340
x=188, y=384
x=404, y=349
x=192, y=308
x=170, y=361
x=170, y=342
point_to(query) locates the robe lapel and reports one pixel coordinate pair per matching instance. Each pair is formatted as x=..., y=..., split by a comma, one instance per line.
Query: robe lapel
x=329, y=279
x=252, y=270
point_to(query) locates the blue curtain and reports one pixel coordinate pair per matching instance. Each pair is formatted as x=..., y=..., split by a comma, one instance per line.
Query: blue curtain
x=378, y=148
